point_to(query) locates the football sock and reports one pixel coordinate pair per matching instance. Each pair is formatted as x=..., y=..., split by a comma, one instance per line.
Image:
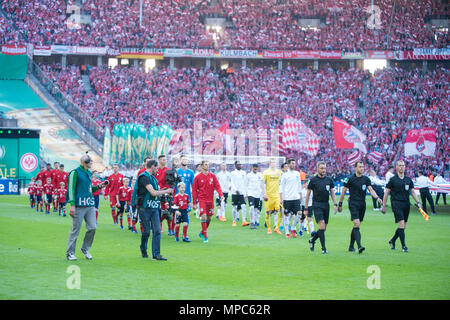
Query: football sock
x=322, y=238
x=129, y=220
x=401, y=235
x=286, y=223
x=357, y=236
x=121, y=220
x=352, y=238
x=177, y=230
x=234, y=211
x=244, y=213
x=268, y=220
x=279, y=217
x=394, y=238
x=204, y=227
x=316, y=235
x=113, y=214
x=311, y=226
x=185, y=231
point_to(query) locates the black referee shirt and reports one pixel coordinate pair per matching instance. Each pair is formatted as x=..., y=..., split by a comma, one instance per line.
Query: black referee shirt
x=321, y=188
x=357, y=187
x=400, y=188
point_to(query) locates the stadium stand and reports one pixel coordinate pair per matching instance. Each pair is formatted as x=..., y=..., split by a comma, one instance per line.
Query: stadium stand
x=252, y=24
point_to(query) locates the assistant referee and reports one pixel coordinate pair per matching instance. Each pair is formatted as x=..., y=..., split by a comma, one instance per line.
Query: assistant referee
x=400, y=187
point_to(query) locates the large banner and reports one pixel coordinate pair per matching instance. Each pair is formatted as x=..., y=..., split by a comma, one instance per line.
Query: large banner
x=19, y=157
x=14, y=49
x=297, y=136
x=347, y=136
x=420, y=142
x=13, y=67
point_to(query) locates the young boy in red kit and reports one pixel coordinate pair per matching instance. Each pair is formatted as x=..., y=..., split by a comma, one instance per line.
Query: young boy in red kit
x=181, y=201
x=48, y=191
x=39, y=192
x=32, y=193
x=61, y=194
x=123, y=202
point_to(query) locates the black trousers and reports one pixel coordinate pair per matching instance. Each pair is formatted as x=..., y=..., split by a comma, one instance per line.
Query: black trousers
x=380, y=193
x=426, y=195
x=444, y=195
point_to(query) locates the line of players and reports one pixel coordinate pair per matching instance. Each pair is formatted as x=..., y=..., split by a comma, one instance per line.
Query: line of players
x=49, y=188
x=286, y=198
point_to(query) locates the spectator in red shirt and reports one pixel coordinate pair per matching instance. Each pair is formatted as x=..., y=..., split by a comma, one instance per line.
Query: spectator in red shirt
x=205, y=183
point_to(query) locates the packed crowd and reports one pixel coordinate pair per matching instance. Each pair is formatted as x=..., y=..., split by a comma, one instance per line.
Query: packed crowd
x=397, y=100
x=253, y=24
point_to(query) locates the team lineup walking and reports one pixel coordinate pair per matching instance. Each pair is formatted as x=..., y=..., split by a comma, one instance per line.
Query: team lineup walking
x=158, y=193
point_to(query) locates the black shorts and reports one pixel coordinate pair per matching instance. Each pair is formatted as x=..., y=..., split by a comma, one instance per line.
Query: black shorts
x=357, y=210
x=225, y=199
x=237, y=200
x=184, y=217
x=48, y=198
x=321, y=211
x=255, y=202
x=123, y=207
x=38, y=198
x=291, y=206
x=401, y=210
x=310, y=212
x=61, y=205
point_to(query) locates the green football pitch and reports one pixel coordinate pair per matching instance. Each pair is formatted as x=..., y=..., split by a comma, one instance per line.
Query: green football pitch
x=237, y=263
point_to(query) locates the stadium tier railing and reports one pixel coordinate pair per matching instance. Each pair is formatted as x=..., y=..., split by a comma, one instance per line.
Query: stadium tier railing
x=79, y=115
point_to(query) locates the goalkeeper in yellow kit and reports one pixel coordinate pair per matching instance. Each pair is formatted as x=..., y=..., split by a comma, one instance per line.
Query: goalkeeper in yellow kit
x=270, y=186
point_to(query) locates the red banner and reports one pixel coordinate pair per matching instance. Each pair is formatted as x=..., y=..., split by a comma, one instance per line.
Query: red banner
x=14, y=49
x=411, y=55
x=42, y=50
x=379, y=54
x=334, y=54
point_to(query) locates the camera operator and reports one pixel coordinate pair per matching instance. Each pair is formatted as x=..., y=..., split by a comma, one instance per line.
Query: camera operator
x=145, y=198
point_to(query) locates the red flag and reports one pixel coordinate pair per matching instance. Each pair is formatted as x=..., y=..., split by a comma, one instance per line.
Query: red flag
x=347, y=136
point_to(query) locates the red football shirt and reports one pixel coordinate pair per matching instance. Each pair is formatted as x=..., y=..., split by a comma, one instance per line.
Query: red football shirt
x=61, y=194
x=125, y=194
x=39, y=190
x=32, y=190
x=181, y=201
x=62, y=177
x=48, y=188
x=40, y=176
x=204, y=186
x=115, y=182
x=54, y=176
x=161, y=177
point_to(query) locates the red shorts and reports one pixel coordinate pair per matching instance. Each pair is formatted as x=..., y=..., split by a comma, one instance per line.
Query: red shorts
x=206, y=208
x=112, y=200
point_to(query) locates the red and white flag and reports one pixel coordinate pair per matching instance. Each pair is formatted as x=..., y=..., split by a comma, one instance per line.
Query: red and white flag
x=347, y=136
x=375, y=156
x=420, y=141
x=298, y=137
x=354, y=156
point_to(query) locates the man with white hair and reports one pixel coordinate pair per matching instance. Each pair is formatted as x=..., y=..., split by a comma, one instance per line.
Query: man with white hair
x=82, y=203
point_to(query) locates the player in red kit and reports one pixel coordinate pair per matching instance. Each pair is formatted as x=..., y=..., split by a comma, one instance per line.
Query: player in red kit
x=61, y=193
x=112, y=190
x=48, y=192
x=54, y=176
x=40, y=175
x=124, y=199
x=96, y=194
x=162, y=184
x=203, y=193
x=181, y=201
x=62, y=176
x=39, y=192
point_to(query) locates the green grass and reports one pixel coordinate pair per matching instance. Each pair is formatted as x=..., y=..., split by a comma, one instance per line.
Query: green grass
x=237, y=263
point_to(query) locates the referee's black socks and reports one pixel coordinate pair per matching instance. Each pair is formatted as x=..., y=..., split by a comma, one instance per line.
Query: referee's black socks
x=401, y=235
x=357, y=236
x=322, y=238
x=396, y=235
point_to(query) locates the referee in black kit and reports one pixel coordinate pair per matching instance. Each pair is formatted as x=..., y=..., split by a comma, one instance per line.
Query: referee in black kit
x=400, y=186
x=357, y=184
x=322, y=187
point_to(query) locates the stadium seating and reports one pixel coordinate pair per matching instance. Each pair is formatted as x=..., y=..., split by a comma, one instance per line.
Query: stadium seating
x=254, y=24
x=261, y=97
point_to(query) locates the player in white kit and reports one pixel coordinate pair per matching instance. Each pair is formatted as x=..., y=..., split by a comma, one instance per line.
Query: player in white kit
x=225, y=183
x=254, y=195
x=238, y=194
